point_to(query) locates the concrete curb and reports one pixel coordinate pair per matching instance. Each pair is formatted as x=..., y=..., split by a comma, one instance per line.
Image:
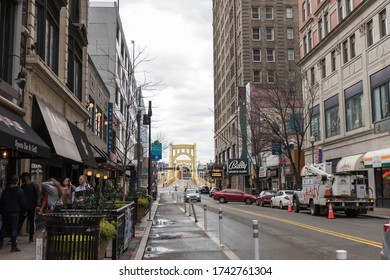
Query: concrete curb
x=145, y=221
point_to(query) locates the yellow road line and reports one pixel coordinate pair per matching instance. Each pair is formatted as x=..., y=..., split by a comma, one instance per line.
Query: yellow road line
x=313, y=228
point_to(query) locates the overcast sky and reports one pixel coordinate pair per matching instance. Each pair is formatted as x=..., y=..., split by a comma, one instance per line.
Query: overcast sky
x=177, y=37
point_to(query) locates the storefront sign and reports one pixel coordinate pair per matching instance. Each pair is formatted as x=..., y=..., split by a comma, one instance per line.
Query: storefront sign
x=262, y=172
x=110, y=142
x=238, y=167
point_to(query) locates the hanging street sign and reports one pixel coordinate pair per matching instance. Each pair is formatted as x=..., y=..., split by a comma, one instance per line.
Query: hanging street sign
x=156, y=151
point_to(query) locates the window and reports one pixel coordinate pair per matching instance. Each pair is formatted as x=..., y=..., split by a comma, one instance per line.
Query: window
x=345, y=51
x=77, y=39
x=354, y=106
x=289, y=12
x=290, y=54
x=309, y=40
x=304, y=45
x=333, y=60
x=303, y=11
x=315, y=127
x=370, y=33
x=312, y=76
x=341, y=9
x=255, y=13
x=257, y=77
x=256, y=35
x=308, y=8
x=380, y=94
x=320, y=29
x=323, y=67
x=47, y=27
x=290, y=33
x=270, y=55
x=270, y=34
x=332, y=119
x=270, y=76
x=269, y=13
x=7, y=33
x=326, y=23
x=256, y=55
x=383, y=23
x=352, y=45
x=349, y=6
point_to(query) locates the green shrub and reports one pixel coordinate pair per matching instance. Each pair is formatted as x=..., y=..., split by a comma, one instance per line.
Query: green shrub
x=143, y=202
x=107, y=230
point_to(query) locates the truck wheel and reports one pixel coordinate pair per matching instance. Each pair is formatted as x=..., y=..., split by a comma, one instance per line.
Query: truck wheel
x=296, y=205
x=314, y=209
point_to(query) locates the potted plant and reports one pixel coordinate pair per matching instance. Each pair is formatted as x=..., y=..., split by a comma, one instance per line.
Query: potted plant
x=107, y=232
x=143, y=205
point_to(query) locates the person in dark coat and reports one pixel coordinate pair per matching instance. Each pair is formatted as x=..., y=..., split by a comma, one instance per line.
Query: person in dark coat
x=12, y=202
x=31, y=191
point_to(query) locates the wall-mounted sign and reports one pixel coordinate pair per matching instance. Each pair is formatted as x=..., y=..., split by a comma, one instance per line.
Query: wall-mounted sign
x=238, y=167
x=110, y=141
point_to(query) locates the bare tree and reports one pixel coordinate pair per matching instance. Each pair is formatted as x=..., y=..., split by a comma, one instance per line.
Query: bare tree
x=279, y=112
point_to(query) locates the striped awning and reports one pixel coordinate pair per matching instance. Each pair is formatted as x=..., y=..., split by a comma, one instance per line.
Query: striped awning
x=351, y=163
x=379, y=158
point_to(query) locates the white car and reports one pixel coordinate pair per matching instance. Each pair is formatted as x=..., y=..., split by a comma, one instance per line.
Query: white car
x=282, y=198
x=192, y=194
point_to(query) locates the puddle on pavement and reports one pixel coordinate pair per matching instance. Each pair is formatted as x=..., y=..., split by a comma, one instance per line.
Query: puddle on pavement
x=168, y=236
x=156, y=250
x=162, y=222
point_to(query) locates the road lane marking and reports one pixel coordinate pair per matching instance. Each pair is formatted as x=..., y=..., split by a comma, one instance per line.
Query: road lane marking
x=313, y=228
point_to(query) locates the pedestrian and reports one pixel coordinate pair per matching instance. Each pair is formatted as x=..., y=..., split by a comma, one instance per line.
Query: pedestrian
x=68, y=193
x=81, y=191
x=12, y=202
x=31, y=191
x=54, y=201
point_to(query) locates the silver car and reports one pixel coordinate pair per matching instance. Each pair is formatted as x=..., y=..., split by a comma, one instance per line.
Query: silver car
x=192, y=194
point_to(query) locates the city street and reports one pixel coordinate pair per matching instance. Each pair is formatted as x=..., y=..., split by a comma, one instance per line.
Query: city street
x=287, y=235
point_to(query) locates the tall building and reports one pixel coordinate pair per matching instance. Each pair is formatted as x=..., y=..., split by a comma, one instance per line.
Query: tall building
x=254, y=42
x=344, y=48
x=114, y=61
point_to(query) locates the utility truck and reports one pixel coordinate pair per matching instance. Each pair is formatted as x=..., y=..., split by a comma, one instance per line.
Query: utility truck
x=345, y=191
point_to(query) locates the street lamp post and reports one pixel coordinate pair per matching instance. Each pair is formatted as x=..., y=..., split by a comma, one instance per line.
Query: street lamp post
x=312, y=140
x=148, y=121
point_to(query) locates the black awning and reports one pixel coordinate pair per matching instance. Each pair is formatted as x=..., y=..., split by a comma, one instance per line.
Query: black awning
x=59, y=131
x=83, y=146
x=18, y=135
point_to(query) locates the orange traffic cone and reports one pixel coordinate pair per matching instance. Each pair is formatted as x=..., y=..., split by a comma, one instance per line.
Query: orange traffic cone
x=289, y=209
x=330, y=212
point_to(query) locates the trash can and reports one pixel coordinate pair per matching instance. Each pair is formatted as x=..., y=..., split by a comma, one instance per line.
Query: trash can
x=72, y=236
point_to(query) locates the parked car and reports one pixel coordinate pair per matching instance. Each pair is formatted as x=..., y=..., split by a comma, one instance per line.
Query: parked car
x=264, y=198
x=213, y=191
x=205, y=189
x=192, y=194
x=282, y=198
x=385, y=253
x=234, y=195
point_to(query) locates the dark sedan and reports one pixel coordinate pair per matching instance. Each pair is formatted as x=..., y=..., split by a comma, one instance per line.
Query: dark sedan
x=264, y=198
x=205, y=189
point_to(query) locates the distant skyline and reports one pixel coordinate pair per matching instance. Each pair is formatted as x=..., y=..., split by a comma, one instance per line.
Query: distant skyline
x=176, y=36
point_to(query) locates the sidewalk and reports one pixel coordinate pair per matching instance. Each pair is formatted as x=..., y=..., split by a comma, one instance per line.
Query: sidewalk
x=179, y=237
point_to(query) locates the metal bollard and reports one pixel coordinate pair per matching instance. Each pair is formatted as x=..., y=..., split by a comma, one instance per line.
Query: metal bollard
x=193, y=211
x=184, y=202
x=189, y=206
x=220, y=227
x=205, y=216
x=256, y=239
x=341, y=255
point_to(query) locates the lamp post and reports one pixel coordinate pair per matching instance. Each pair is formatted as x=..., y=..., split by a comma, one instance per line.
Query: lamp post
x=148, y=121
x=312, y=140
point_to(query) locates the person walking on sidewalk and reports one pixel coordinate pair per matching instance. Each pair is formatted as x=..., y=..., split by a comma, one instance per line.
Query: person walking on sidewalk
x=54, y=196
x=31, y=191
x=81, y=193
x=12, y=202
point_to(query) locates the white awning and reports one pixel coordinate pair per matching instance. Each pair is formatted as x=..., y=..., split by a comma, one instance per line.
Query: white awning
x=379, y=158
x=351, y=163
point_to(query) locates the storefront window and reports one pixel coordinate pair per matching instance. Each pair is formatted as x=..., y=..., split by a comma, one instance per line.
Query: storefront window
x=354, y=106
x=332, y=119
x=386, y=183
